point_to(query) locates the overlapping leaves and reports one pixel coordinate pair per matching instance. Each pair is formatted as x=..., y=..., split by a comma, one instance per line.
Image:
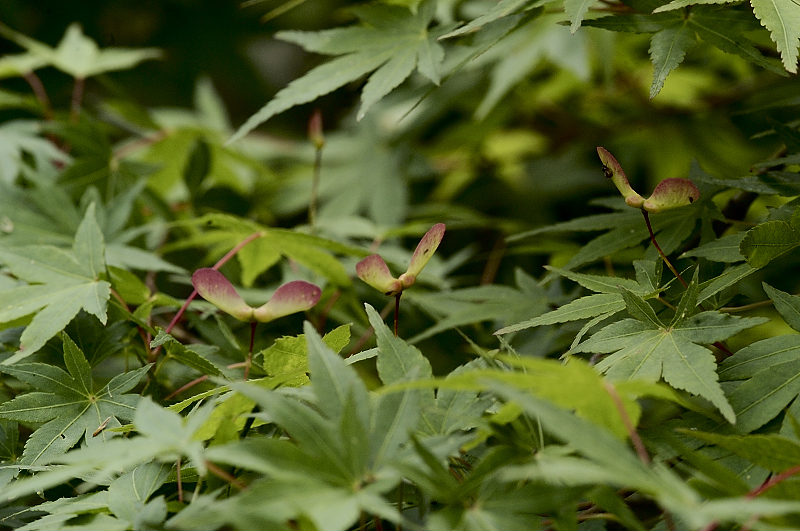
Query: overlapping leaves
x=68, y=403
x=392, y=42
x=643, y=347
x=60, y=283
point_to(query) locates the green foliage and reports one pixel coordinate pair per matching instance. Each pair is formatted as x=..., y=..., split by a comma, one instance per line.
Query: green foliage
x=545, y=372
x=59, y=285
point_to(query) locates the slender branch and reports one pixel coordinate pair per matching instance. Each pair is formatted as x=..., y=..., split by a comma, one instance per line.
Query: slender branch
x=641, y=451
x=396, y=311
x=323, y=316
x=180, y=480
x=786, y=474
x=317, y=138
x=312, y=203
x=746, y=307
x=217, y=471
x=186, y=386
x=493, y=262
x=77, y=96
x=141, y=143
x=40, y=93
x=660, y=252
x=250, y=352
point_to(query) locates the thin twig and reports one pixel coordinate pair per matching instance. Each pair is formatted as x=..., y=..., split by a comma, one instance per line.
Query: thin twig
x=180, y=480
x=77, y=97
x=217, y=471
x=493, y=262
x=250, y=353
x=40, y=93
x=746, y=307
x=396, y=311
x=660, y=252
x=641, y=451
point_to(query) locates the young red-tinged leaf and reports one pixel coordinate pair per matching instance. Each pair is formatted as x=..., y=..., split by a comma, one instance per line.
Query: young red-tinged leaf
x=425, y=249
x=374, y=271
x=292, y=297
x=614, y=171
x=216, y=289
x=671, y=193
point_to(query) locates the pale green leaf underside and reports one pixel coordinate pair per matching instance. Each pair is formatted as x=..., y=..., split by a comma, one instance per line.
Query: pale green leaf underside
x=782, y=19
x=677, y=4
x=575, y=10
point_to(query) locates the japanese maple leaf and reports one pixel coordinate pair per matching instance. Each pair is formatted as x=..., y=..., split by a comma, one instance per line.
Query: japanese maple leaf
x=60, y=284
x=67, y=403
x=647, y=349
x=392, y=42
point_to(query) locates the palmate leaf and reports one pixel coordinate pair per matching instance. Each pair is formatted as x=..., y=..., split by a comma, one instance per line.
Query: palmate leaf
x=67, y=402
x=60, y=284
x=392, y=43
x=78, y=55
x=782, y=19
x=643, y=348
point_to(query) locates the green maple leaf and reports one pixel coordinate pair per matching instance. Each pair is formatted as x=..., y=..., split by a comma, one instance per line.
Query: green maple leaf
x=77, y=54
x=67, y=402
x=782, y=19
x=392, y=42
x=224, y=232
x=645, y=348
x=60, y=283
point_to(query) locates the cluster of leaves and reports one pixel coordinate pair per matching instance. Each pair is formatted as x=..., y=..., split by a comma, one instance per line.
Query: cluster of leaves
x=652, y=402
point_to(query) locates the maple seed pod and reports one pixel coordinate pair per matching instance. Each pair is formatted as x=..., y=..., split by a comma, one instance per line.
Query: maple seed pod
x=425, y=248
x=374, y=271
x=671, y=193
x=292, y=297
x=218, y=290
x=613, y=171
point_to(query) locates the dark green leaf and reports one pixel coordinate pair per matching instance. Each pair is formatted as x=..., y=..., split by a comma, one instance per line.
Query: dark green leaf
x=787, y=305
x=67, y=402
